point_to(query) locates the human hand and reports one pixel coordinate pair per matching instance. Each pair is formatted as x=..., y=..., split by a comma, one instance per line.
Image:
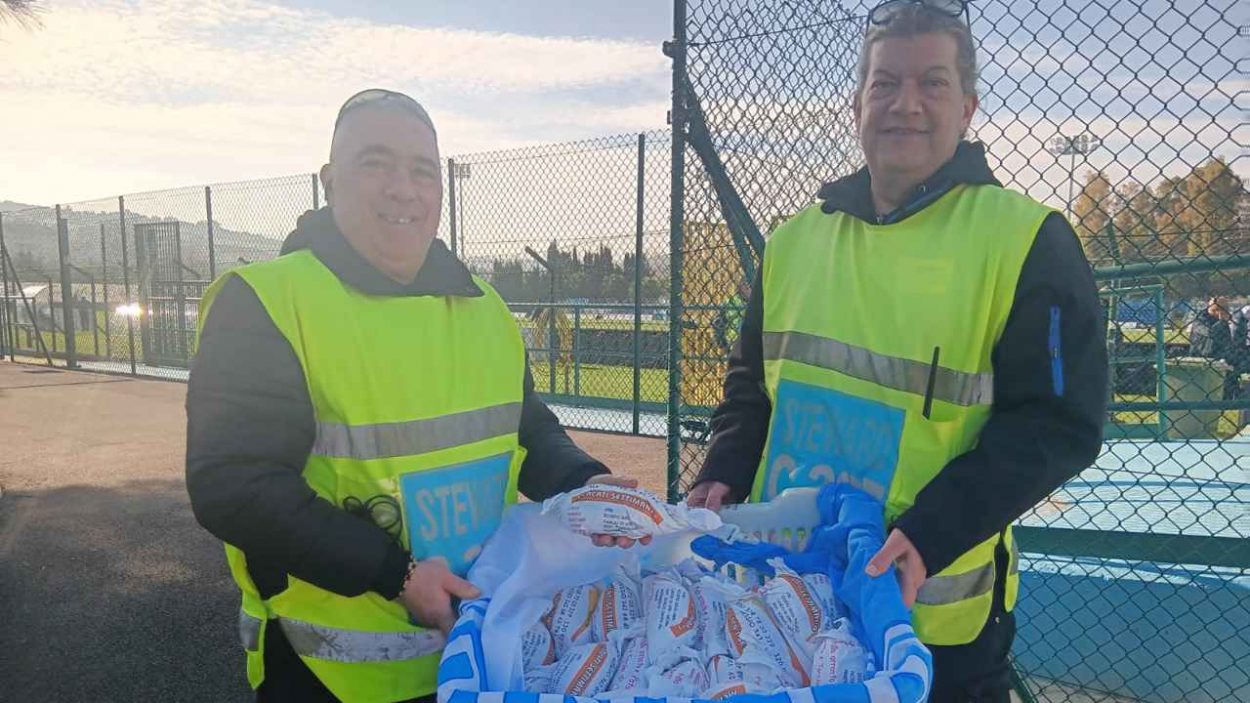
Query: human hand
x=609, y=540
x=899, y=551
x=428, y=593
x=708, y=494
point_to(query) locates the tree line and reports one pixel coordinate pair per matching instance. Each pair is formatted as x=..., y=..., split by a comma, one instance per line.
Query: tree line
x=592, y=275
x=1198, y=214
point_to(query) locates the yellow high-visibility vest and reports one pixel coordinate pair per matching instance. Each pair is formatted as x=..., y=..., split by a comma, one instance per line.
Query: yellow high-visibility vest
x=417, y=402
x=852, y=314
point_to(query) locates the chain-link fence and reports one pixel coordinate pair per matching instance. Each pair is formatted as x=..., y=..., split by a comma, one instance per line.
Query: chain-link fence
x=1127, y=115
x=114, y=285
x=580, y=229
x=575, y=238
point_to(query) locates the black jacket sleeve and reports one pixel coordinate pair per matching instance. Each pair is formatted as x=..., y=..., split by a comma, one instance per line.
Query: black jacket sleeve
x=740, y=422
x=553, y=464
x=250, y=428
x=1048, y=413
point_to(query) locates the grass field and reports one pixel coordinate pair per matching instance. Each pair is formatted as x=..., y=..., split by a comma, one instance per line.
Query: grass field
x=111, y=338
x=615, y=382
x=1228, y=425
x=1146, y=335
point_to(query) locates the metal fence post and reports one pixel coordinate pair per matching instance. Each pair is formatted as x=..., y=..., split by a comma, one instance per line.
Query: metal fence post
x=52, y=317
x=212, y=251
x=67, y=289
x=130, y=318
x=8, y=337
x=316, y=192
x=451, y=206
x=638, y=214
x=677, y=49
x=104, y=274
x=577, y=362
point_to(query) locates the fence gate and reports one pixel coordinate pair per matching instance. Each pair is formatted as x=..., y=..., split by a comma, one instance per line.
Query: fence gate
x=169, y=293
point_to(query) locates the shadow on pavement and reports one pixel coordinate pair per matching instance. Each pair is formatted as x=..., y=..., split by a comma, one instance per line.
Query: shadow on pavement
x=114, y=594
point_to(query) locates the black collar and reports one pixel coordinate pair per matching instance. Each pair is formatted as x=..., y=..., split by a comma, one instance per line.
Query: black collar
x=853, y=194
x=442, y=273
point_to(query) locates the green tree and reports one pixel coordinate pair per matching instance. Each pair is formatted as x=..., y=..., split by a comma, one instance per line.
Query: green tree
x=1094, y=208
x=1197, y=216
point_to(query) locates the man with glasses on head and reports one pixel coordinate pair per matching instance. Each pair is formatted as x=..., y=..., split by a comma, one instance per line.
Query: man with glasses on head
x=359, y=413
x=928, y=336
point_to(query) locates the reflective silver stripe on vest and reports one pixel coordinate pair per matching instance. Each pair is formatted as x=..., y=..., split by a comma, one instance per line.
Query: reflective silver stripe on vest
x=952, y=386
x=1015, y=558
x=415, y=436
x=249, y=631
x=944, y=590
x=353, y=646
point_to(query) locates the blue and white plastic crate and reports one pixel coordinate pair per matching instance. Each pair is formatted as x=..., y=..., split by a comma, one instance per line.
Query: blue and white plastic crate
x=465, y=675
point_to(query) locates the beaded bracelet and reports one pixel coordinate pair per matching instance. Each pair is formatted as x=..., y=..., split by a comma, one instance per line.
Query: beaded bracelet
x=412, y=569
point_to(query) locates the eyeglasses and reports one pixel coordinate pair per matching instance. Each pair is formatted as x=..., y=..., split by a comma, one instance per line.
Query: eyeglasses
x=886, y=11
x=381, y=96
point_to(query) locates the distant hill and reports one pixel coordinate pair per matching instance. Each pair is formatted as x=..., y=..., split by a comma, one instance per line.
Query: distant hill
x=30, y=237
x=10, y=206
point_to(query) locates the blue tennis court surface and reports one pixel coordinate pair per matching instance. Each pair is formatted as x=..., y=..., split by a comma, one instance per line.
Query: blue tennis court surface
x=1156, y=631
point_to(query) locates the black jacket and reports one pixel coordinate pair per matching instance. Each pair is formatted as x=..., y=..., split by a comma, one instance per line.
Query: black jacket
x=250, y=429
x=1211, y=337
x=1038, y=435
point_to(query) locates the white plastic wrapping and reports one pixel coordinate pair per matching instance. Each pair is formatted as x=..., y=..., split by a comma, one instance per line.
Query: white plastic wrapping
x=754, y=635
x=584, y=671
x=571, y=617
x=630, y=676
x=538, y=649
x=620, y=606
x=625, y=512
x=797, y=610
x=680, y=674
x=839, y=657
x=669, y=612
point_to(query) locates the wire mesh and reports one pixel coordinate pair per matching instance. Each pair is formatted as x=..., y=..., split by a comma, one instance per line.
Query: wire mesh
x=140, y=264
x=1127, y=116
x=558, y=230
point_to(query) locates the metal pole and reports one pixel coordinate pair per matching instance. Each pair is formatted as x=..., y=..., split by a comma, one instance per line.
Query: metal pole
x=1114, y=314
x=676, y=217
x=95, y=328
x=180, y=299
x=638, y=213
x=1161, y=360
x=577, y=362
x=52, y=315
x=212, y=250
x=551, y=330
x=451, y=204
x=67, y=289
x=4, y=316
x=8, y=336
x=104, y=273
x=1071, y=181
x=31, y=311
x=316, y=192
x=130, y=319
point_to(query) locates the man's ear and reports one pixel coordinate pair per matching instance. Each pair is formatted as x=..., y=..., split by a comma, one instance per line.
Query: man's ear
x=327, y=183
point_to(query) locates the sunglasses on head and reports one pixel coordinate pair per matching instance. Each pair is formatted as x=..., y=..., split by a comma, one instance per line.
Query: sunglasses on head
x=888, y=10
x=381, y=96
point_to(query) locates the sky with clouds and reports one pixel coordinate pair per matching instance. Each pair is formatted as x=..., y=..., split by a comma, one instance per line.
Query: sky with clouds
x=116, y=96
x=120, y=96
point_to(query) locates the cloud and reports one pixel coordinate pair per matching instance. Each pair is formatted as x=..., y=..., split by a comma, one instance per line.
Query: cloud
x=113, y=96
